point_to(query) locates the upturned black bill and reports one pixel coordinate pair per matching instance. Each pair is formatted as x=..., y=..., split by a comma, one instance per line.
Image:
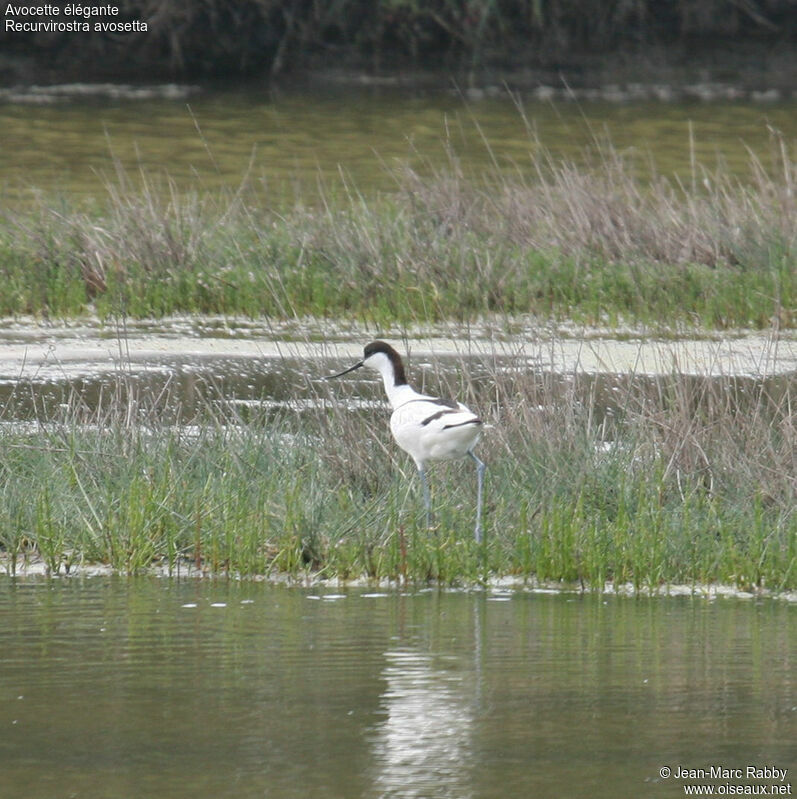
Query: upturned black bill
x=345, y=371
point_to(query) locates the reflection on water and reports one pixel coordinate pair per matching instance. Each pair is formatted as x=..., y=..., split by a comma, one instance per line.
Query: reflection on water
x=274, y=140
x=143, y=687
x=424, y=746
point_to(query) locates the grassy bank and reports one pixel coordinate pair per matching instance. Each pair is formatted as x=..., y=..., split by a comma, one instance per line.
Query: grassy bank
x=589, y=242
x=686, y=481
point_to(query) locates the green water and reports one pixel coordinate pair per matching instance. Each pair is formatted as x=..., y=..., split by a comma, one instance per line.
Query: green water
x=168, y=688
x=305, y=146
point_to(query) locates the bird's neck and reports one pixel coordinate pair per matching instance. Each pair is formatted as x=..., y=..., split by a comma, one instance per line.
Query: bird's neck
x=398, y=395
x=397, y=390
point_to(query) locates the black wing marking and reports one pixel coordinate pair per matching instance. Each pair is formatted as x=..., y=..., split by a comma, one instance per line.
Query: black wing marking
x=448, y=403
x=438, y=415
x=475, y=420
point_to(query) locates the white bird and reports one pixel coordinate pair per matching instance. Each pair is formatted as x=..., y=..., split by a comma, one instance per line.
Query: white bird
x=425, y=427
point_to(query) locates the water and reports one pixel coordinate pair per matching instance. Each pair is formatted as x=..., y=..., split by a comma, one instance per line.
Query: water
x=194, y=379
x=198, y=371
x=146, y=687
x=289, y=145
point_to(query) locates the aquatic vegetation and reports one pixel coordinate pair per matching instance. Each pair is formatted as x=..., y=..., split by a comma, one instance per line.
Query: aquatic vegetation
x=589, y=242
x=681, y=480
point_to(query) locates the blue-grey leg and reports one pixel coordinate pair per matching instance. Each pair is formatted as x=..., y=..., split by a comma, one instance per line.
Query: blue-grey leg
x=426, y=498
x=480, y=467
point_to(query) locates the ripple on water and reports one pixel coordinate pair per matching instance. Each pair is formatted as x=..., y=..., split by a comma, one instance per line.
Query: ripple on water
x=135, y=687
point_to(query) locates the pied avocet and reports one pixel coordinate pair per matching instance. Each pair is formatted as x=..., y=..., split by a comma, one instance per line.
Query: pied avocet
x=426, y=427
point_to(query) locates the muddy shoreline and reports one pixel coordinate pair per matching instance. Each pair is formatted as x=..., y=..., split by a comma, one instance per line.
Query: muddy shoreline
x=528, y=87
x=35, y=568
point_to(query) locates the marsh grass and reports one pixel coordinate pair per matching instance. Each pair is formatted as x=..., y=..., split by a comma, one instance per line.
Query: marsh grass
x=684, y=480
x=590, y=242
